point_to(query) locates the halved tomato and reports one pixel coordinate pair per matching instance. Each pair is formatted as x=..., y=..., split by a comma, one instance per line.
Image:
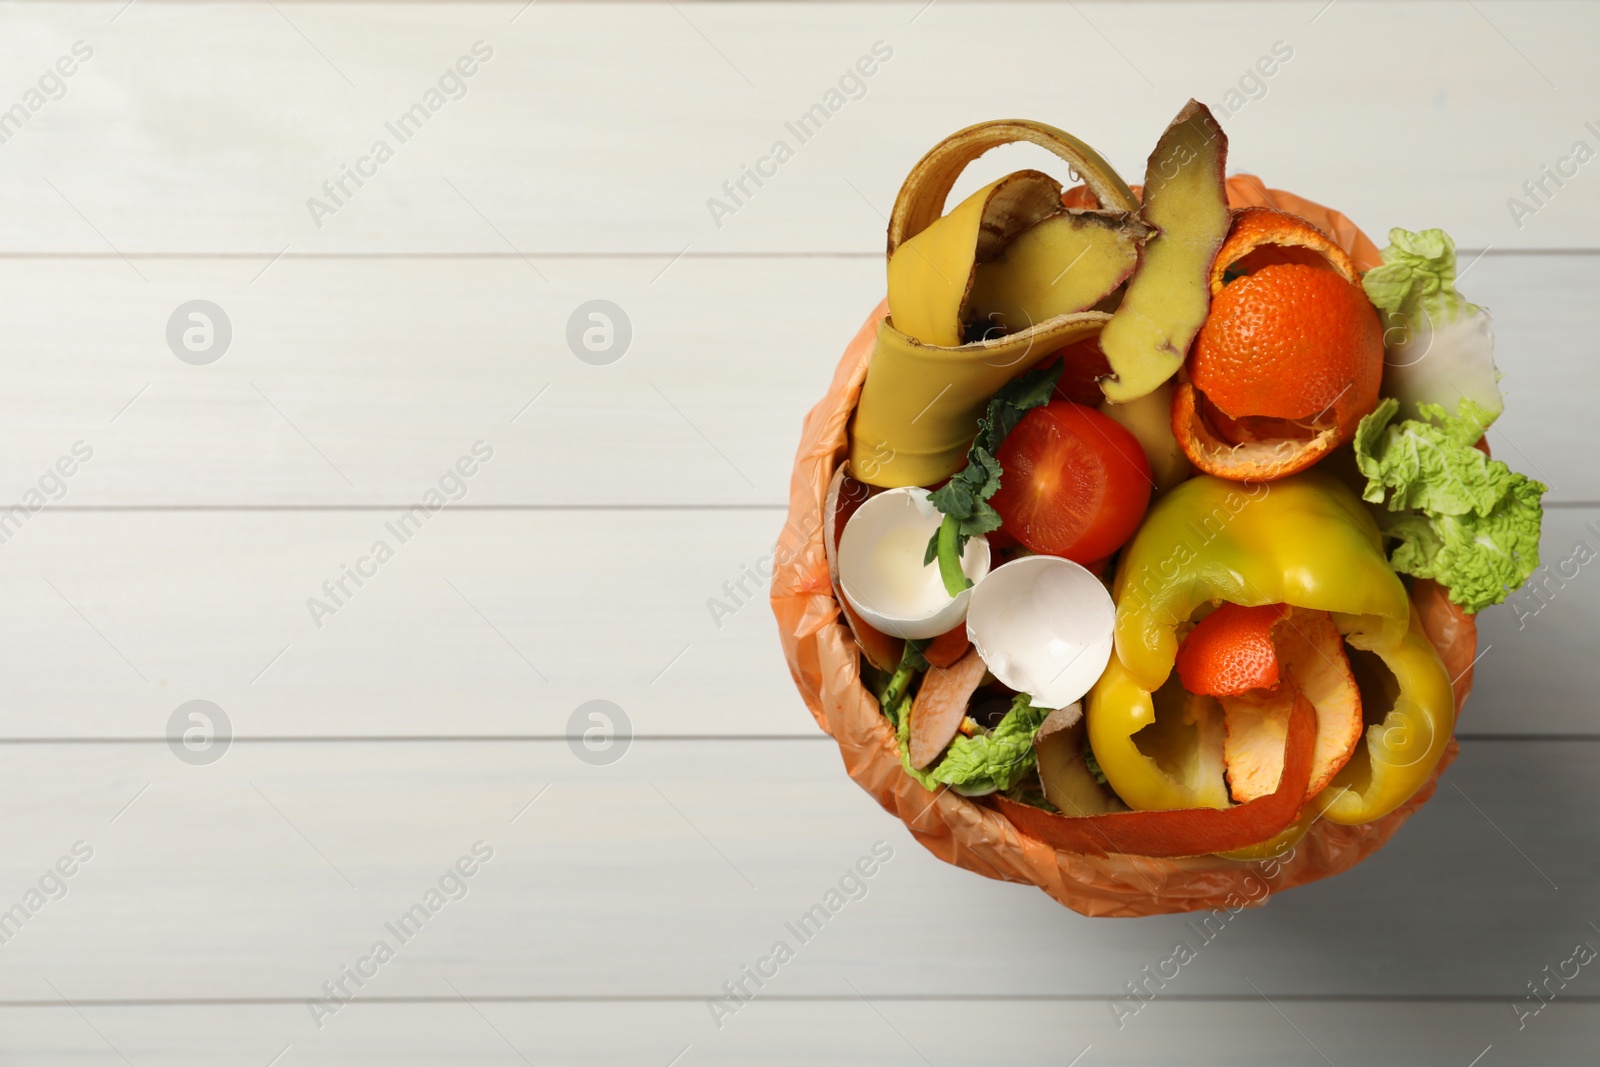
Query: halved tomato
x=1074, y=482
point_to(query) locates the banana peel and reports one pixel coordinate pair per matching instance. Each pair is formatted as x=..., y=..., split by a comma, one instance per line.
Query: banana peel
x=1067, y=262
x=931, y=275
x=925, y=389
x=920, y=403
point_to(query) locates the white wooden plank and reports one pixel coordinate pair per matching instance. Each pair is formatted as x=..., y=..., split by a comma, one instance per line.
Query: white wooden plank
x=602, y=129
x=1540, y=329
x=608, y=127
x=611, y=605
x=483, y=623
x=1535, y=674
x=874, y=1033
x=263, y=874
x=361, y=381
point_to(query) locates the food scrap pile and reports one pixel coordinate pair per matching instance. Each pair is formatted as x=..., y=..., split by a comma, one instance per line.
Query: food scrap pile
x=1143, y=494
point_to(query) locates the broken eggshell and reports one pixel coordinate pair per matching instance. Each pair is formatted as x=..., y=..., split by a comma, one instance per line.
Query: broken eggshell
x=1043, y=626
x=881, y=572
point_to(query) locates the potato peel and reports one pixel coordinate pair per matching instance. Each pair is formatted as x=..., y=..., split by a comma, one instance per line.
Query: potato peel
x=940, y=706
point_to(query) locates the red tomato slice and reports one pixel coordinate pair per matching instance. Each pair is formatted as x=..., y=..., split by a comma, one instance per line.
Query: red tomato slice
x=1074, y=483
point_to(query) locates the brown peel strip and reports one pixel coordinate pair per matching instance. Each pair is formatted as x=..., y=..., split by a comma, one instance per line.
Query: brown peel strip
x=940, y=705
x=1193, y=831
x=1311, y=651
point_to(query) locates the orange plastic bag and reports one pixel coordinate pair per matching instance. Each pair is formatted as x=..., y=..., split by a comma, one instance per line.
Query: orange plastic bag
x=825, y=662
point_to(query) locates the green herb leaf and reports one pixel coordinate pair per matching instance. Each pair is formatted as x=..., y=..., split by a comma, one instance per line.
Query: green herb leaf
x=965, y=497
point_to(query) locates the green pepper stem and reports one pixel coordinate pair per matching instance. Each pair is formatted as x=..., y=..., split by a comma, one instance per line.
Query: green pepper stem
x=889, y=699
x=911, y=662
x=955, y=581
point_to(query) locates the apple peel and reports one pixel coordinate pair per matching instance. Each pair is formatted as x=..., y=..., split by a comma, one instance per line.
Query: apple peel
x=1311, y=652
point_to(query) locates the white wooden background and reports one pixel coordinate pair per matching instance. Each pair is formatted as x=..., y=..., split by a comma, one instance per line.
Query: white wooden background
x=371, y=752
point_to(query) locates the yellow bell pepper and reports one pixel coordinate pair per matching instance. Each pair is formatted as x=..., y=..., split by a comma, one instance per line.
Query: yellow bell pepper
x=1402, y=750
x=1177, y=763
x=1305, y=541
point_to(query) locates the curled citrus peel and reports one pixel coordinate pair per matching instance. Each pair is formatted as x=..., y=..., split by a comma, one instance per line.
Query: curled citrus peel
x=1230, y=651
x=1241, y=655
x=1290, y=357
x=1241, y=455
x=1261, y=236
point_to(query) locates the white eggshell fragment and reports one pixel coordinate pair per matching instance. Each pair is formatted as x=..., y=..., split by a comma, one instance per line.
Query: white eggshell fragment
x=881, y=570
x=1043, y=626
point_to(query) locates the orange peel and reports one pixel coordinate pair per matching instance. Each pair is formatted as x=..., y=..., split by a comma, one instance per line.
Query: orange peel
x=1261, y=460
x=1290, y=357
x=1312, y=654
x=1230, y=651
x=1277, y=237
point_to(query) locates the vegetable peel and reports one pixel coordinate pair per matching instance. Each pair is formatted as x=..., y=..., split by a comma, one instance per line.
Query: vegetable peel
x=1192, y=831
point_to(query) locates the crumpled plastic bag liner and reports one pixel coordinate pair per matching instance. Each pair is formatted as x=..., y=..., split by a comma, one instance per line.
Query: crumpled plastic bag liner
x=825, y=662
